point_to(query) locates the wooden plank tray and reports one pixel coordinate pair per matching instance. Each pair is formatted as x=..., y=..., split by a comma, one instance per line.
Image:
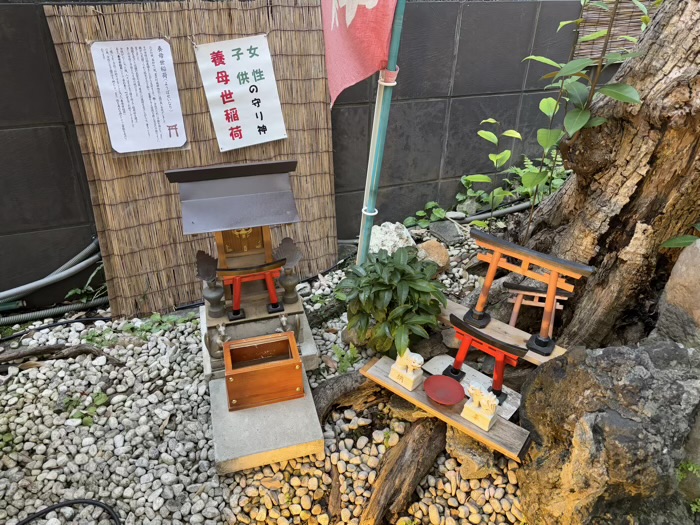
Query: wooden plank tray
x=502, y=332
x=505, y=437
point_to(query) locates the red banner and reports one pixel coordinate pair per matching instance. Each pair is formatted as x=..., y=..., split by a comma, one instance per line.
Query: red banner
x=357, y=35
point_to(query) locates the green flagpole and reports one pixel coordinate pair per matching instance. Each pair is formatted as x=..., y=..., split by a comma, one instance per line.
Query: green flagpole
x=379, y=126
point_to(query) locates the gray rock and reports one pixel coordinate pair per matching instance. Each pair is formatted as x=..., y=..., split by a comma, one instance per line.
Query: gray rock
x=456, y=215
x=609, y=427
x=390, y=237
x=447, y=231
x=679, y=307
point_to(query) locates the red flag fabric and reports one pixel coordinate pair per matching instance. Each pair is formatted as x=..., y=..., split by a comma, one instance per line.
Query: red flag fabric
x=357, y=35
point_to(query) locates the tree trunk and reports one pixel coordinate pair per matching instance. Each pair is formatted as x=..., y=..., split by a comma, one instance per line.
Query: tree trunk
x=636, y=179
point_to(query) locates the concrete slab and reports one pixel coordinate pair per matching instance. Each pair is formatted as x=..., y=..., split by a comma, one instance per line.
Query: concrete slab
x=263, y=435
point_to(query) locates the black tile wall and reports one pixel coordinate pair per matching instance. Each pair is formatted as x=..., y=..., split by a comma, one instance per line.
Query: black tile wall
x=45, y=217
x=466, y=152
x=549, y=42
x=414, y=141
x=427, y=49
x=350, y=146
x=493, y=40
x=461, y=62
x=45, y=189
x=30, y=95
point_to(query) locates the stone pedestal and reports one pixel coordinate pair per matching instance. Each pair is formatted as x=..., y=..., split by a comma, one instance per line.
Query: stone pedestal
x=409, y=380
x=478, y=416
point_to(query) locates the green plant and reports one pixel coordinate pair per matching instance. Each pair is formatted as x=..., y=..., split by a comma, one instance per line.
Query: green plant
x=687, y=467
x=87, y=292
x=682, y=241
x=392, y=298
x=157, y=323
x=85, y=414
x=536, y=182
x=497, y=195
x=346, y=360
x=431, y=213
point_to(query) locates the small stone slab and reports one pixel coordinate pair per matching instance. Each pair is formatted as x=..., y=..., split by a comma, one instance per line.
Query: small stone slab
x=438, y=363
x=447, y=231
x=263, y=435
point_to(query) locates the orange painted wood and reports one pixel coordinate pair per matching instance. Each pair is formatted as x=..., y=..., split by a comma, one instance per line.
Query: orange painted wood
x=263, y=370
x=544, y=278
x=531, y=258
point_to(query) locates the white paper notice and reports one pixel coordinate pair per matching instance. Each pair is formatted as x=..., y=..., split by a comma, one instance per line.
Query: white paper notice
x=241, y=90
x=139, y=94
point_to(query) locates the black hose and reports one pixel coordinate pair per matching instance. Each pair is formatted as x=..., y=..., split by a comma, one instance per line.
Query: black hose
x=112, y=513
x=52, y=325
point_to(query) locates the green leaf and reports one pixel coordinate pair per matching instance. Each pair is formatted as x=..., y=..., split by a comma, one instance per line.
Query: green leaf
x=621, y=92
x=595, y=121
x=641, y=7
x=431, y=205
x=487, y=135
x=402, y=291
x=593, y=36
x=533, y=178
x=549, y=106
x=100, y=399
x=628, y=38
x=578, y=93
x=410, y=221
x=401, y=339
x=568, y=22
x=421, y=213
x=341, y=296
x=424, y=223
x=697, y=226
x=575, y=119
x=488, y=121
x=601, y=5
x=512, y=133
x=548, y=138
x=680, y=242
x=87, y=421
x=439, y=214
x=499, y=160
x=418, y=330
x=461, y=197
x=646, y=20
x=401, y=256
x=573, y=67
x=6, y=438
x=478, y=178
x=542, y=60
x=420, y=286
x=479, y=224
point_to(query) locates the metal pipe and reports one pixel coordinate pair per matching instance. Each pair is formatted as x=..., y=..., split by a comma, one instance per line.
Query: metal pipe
x=498, y=213
x=50, y=279
x=379, y=127
x=94, y=245
x=50, y=312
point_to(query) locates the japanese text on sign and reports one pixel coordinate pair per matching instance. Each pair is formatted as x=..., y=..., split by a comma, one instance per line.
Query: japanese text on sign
x=241, y=91
x=139, y=94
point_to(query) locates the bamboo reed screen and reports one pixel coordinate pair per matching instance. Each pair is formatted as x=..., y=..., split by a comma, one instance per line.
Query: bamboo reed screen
x=149, y=263
x=627, y=23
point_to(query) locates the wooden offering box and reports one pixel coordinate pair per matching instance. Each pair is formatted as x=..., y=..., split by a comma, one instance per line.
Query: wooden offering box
x=263, y=370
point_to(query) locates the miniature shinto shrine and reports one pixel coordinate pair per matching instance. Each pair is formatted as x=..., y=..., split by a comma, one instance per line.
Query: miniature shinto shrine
x=457, y=393
x=256, y=339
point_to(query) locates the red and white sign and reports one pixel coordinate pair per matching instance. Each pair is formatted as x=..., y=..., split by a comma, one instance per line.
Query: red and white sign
x=357, y=35
x=239, y=82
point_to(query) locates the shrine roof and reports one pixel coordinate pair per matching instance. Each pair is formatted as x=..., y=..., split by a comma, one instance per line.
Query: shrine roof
x=235, y=196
